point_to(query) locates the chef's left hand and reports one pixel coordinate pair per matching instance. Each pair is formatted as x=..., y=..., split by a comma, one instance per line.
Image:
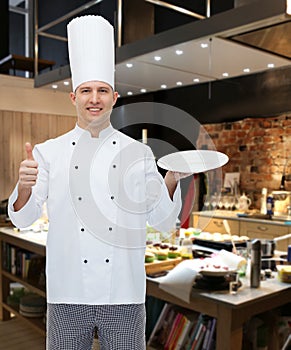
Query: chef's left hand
x=179, y=176
x=172, y=178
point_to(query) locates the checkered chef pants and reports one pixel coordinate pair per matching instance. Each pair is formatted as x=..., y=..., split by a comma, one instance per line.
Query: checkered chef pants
x=119, y=327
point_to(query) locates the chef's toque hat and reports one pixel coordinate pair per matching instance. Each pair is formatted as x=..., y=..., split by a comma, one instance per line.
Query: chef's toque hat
x=91, y=50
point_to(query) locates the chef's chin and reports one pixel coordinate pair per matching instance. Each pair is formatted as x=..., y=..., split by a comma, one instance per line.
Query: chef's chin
x=99, y=123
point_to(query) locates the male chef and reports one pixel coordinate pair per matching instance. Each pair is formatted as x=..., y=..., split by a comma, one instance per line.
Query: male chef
x=101, y=188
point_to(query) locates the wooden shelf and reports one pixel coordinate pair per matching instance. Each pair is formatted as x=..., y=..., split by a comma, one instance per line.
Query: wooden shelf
x=35, y=289
x=22, y=63
x=26, y=243
x=36, y=323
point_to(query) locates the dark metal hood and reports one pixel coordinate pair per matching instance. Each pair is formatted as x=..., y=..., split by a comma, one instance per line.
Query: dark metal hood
x=274, y=39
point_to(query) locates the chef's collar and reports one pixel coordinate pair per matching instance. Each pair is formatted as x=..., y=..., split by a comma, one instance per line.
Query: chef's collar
x=103, y=133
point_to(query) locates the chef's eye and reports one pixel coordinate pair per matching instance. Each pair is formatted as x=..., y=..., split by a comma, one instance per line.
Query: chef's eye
x=103, y=91
x=85, y=91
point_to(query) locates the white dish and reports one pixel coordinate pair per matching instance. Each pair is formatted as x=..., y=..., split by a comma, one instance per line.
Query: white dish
x=216, y=272
x=193, y=161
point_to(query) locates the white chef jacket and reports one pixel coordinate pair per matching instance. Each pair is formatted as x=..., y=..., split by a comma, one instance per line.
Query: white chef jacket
x=100, y=192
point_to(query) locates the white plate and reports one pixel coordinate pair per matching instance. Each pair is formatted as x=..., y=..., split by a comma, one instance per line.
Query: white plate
x=193, y=161
x=216, y=272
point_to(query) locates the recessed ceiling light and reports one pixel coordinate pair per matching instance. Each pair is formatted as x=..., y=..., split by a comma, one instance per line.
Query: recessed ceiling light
x=271, y=65
x=247, y=70
x=163, y=86
x=143, y=90
x=179, y=52
x=196, y=80
x=157, y=58
x=129, y=93
x=179, y=83
x=54, y=86
x=66, y=83
x=225, y=74
x=204, y=45
x=129, y=65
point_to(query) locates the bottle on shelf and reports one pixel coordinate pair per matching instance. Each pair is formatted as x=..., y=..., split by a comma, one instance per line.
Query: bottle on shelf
x=270, y=205
x=175, y=233
x=186, y=247
x=264, y=201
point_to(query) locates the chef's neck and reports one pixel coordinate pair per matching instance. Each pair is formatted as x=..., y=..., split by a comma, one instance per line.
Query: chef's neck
x=95, y=127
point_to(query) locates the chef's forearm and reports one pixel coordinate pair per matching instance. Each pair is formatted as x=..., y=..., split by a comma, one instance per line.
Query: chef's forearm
x=22, y=198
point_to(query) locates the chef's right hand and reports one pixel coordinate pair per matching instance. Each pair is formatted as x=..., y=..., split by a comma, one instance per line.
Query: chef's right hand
x=28, y=169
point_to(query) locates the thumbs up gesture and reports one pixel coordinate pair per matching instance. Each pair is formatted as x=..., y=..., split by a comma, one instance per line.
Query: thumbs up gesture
x=28, y=169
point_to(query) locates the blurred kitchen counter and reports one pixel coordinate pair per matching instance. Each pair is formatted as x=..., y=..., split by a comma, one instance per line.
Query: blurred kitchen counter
x=252, y=224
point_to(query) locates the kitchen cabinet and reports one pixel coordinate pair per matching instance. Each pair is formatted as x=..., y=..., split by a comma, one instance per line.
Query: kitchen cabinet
x=243, y=226
x=25, y=242
x=262, y=230
x=215, y=224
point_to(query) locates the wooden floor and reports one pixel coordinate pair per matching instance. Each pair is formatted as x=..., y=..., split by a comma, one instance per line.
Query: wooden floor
x=16, y=335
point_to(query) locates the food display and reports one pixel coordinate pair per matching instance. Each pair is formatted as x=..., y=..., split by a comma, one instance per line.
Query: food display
x=149, y=257
x=161, y=257
x=162, y=251
x=220, y=237
x=220, y=241
x=174, y=252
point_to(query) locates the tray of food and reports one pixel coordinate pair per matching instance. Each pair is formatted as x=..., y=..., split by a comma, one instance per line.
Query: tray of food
x=220, y=241
x=161, y=257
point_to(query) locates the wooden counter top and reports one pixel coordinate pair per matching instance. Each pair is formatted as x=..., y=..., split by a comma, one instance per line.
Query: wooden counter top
x=234, y=215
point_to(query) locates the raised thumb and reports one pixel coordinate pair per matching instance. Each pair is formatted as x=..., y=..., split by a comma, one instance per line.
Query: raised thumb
x=28, y=149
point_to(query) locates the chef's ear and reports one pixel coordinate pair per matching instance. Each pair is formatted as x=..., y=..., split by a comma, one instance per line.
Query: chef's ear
x=115, y=97
x=73, y=98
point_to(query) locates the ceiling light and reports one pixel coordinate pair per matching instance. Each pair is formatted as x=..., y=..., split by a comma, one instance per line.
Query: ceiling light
x=204, y=45
x=179, y=83
x=196, y=80
x=179, y=52
x=157, y=58
x=129, y=65
x=163, y=86
x=225, y=74
x=54, y=86
x=143, y=90
x=66, y=83
x=129, y=93
x=271, y=65
x=247, y=70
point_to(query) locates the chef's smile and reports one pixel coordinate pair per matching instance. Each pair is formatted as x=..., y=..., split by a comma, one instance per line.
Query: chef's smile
x=94, y=110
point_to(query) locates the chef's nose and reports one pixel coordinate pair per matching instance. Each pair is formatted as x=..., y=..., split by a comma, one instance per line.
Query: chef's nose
x=95, y=96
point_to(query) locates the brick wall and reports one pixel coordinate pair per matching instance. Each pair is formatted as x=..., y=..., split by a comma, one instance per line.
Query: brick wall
x=258, y=148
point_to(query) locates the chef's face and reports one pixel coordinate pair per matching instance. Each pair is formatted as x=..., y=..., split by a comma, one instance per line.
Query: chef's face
x=94, y=101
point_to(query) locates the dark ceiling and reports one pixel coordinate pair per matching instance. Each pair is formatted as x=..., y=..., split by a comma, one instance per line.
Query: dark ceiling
x=257, y=94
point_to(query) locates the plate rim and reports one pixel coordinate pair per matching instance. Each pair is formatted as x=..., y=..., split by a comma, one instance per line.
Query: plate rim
x=207, y=272
x=163, y=166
